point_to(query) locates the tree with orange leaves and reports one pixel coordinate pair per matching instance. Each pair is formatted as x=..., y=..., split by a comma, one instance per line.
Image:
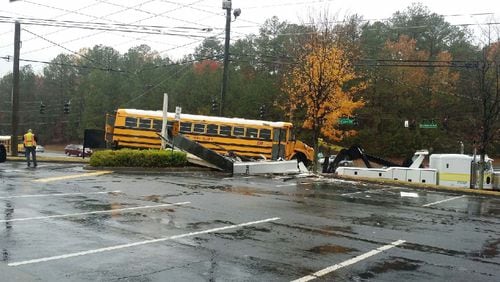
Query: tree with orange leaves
x=321, y=87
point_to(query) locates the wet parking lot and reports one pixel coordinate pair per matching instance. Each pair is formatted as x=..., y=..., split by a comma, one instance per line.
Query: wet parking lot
x=60, y=222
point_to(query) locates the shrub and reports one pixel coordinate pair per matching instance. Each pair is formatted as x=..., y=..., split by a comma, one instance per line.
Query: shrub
x=138, y=158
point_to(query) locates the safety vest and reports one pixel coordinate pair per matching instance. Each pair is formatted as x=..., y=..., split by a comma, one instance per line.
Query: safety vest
x=29, y=140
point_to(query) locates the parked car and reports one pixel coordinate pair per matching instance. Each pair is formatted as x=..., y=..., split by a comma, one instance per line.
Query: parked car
x=69, y=148
x=40, y=149
x=77, y=150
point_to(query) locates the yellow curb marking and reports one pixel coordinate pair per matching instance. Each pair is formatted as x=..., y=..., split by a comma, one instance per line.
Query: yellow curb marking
x=72, y=176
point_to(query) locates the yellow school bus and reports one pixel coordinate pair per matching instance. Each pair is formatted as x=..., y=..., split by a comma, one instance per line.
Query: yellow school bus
x=252, y=139
x=6, y=142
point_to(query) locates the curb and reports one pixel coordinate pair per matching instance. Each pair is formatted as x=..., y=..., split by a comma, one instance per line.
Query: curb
x=158, y=170
x=495, y=193
x=47, y=159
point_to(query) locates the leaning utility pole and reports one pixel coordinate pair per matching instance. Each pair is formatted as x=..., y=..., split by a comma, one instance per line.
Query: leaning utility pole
x=15, y=89
x=226, y=4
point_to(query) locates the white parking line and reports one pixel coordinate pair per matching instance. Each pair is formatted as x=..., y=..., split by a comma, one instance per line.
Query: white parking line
x=348, y=194
x=94, y=251
x=49, y=179
x=92, y=212
x=349, y=262
x=58, y=194
x=442, y=201
x=286, y=185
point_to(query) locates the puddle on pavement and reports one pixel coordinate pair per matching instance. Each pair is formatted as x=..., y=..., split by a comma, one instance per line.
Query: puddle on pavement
x=394, y=264
x=331, y=249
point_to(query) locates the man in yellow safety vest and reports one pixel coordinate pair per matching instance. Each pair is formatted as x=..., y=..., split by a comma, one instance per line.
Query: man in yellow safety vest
x=29, y=140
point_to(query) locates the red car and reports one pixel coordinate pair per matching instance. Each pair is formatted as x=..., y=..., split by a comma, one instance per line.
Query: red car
x=77, y=150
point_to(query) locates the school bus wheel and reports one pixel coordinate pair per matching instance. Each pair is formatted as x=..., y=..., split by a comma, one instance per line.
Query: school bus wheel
x=301, y=157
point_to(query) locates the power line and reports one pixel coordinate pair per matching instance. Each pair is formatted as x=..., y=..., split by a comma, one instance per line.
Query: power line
x=71, y=12
x=58, y=16
x=125, y=27
x=186, y=44
x=76, y=53
x=149, y=29
x=154, y=15
x=65, y=64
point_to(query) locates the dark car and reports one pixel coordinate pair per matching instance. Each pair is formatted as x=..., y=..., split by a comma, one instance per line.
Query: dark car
x=76, y=150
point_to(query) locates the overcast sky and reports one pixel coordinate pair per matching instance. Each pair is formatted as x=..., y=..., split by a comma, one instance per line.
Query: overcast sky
x=186, y=22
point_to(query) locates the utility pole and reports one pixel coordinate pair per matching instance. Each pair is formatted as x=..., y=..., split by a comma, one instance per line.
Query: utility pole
x=226, y=4
x=15, y=89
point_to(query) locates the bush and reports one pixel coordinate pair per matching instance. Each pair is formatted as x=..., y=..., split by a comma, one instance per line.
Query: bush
x=138, y=158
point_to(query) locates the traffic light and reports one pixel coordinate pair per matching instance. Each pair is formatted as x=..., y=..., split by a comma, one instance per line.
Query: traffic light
x=214, y=106
x=42, y=108
x=262, y=111
x=66, y=107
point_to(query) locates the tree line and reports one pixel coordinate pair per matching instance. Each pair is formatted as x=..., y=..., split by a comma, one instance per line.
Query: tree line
x=410, y=82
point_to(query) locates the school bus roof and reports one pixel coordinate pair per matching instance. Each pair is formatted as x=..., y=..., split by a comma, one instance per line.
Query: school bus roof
x=159, y=114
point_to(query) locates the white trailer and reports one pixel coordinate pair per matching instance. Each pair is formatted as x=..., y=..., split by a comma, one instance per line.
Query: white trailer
x=457, y=170
x=454, y=170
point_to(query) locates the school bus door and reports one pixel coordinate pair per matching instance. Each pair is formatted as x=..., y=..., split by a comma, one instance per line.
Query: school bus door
x=279, y=141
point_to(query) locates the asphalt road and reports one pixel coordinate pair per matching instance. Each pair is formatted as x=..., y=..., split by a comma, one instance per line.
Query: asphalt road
x=60, y=222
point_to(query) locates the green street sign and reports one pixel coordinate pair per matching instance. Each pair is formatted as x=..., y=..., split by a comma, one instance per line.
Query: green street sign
x=428, y=125
x=345, y=121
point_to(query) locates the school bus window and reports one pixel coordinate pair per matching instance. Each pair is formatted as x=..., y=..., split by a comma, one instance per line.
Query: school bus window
x=185, y=127
x=144, y=123
x=225, y=130
x=265, y=134
x=212, y=128
x=130, y=122
x=238, y=131
x=285, y=134
x=252, y=132
x=279, y=135
x=157, y=124
x=199, y=128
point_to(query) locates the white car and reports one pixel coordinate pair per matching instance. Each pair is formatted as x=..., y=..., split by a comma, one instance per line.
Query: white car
x=40, y=148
